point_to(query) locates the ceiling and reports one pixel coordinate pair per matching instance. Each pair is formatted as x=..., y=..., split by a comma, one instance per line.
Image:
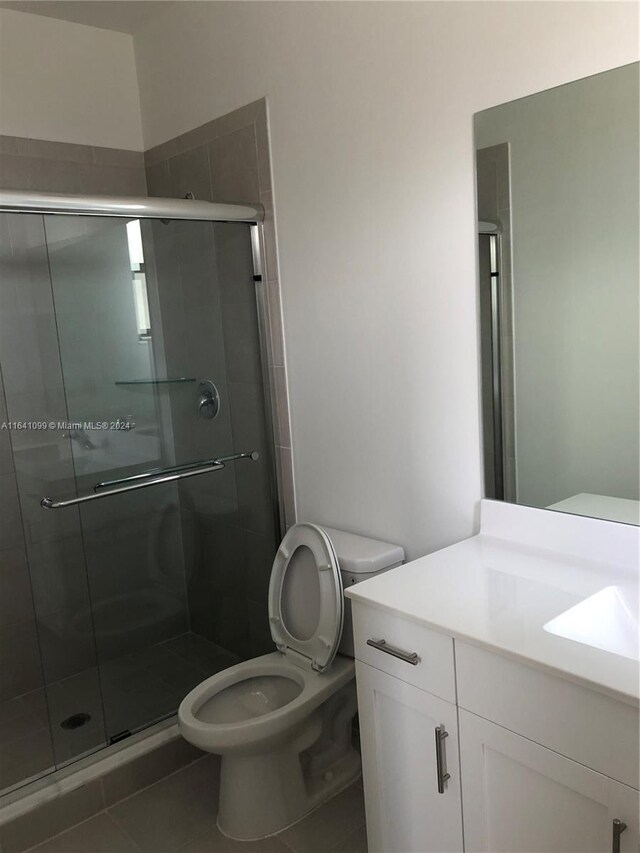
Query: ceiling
x=124, y=16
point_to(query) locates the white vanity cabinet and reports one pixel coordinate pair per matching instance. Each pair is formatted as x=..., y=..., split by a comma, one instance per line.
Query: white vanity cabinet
x=410, y=804
x=541, y=764
x=409, y=735
x=546, y=764
x=520, y=797
x=543, y=726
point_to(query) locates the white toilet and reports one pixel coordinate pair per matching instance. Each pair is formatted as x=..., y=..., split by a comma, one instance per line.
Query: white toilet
x=282, y=722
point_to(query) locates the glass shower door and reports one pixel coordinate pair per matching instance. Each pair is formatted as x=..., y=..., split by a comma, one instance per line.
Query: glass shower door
x=51, y=701
x=136, y=345
x=160, y=355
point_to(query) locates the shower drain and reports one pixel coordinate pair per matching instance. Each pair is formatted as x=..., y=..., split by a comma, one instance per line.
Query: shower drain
x=75, y=721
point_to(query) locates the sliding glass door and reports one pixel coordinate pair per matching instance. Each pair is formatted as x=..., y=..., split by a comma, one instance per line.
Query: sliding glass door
x=131, y=357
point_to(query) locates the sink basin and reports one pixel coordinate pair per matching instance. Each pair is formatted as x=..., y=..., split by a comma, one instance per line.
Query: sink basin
x=606, y=620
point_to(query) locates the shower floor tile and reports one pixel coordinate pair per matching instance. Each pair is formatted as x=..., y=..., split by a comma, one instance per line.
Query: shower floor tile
x=150, y=684
x=78, y=694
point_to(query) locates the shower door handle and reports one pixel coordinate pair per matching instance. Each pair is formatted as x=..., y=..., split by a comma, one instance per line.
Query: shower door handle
x=169, y=475
x=50, y=503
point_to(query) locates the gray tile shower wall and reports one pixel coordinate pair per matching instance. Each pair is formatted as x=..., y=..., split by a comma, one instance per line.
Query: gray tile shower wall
x=61, y=167
x=227, y=160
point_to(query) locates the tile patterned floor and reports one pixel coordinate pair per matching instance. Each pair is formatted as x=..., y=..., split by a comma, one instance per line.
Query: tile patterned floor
x=178, y=815
x=127, y=693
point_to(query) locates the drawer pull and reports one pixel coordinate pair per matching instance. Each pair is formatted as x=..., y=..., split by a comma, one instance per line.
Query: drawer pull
x=442, y=775
x=618, y=828
x=383, y=646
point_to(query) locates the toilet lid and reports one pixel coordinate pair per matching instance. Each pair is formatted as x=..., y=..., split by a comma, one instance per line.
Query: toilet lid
x=305, y=597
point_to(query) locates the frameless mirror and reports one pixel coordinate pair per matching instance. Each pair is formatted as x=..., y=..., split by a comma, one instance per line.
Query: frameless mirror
x=558, y=234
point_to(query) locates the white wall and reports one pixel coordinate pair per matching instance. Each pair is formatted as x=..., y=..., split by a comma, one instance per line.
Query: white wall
x=67, y=82
x=371, y=120
x=575, y=231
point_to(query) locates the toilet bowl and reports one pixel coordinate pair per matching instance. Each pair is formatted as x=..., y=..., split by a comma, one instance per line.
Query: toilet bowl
x=254, y=706
x=282, y=722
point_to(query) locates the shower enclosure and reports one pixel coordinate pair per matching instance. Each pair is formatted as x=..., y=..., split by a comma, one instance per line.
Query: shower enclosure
x=138, y=516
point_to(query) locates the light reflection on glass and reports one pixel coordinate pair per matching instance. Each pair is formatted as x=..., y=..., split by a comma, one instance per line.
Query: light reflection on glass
x=139, y=278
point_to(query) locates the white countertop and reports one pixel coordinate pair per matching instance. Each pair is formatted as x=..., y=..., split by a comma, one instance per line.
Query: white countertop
x=500, y=595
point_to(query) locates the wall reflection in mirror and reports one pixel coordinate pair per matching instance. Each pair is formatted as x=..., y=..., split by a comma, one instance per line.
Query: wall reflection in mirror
x=558, y=233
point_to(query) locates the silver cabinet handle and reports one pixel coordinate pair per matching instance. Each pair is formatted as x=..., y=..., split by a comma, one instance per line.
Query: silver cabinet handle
x=442, y=775
x=618, y=828
x=383, y=646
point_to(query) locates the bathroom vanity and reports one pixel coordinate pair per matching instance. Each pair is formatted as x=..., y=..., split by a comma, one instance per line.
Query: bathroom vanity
x=498, y=690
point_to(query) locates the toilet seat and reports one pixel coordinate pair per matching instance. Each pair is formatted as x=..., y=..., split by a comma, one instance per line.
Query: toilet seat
x=317, y=648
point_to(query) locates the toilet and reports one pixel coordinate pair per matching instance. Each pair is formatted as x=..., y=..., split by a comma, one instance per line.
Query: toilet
x=282, y=722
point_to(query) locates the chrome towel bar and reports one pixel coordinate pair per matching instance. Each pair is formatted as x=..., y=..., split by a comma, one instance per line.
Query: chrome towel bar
x=149, y=478
x=187, y=466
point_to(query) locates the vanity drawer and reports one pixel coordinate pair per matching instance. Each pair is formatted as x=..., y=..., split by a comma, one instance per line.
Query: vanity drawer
x=596, y=730
x=432, y=668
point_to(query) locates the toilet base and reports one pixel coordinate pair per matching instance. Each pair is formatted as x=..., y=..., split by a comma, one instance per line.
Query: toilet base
x=281, y=814
x=260, y=795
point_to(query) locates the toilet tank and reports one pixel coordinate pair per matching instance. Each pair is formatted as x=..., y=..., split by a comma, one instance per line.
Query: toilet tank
x=360, y=558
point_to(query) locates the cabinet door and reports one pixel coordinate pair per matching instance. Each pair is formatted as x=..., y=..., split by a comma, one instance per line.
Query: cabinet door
x=405, y=811
x=520, y=797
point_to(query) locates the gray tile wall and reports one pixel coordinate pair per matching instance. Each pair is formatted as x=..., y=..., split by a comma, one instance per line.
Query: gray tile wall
x=60, y=167
x=227, y=160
